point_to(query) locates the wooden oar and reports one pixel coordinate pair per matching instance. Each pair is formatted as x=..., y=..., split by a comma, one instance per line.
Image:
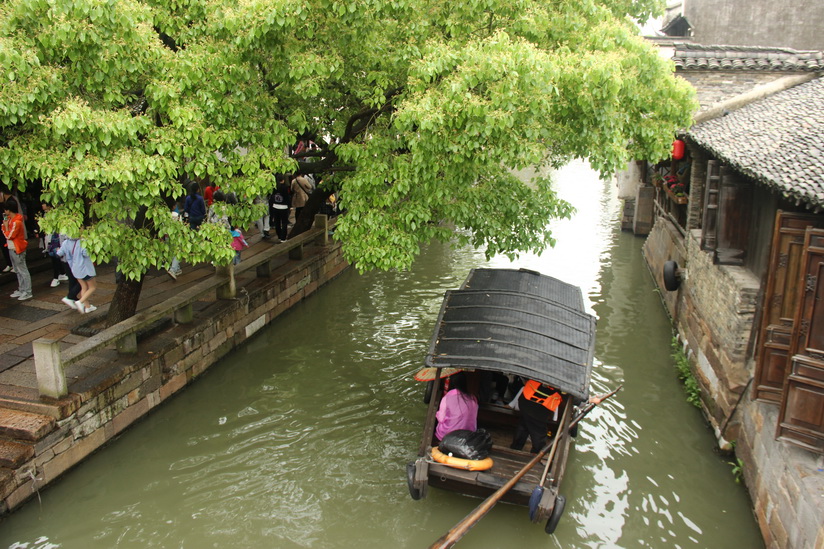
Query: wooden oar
x=538, y=491
x=590, y=405
x=459, y=530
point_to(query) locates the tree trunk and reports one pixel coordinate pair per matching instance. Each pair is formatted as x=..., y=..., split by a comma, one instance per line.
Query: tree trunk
x=124, y=301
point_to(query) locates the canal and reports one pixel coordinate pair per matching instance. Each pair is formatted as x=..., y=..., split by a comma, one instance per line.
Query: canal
x=299, y=438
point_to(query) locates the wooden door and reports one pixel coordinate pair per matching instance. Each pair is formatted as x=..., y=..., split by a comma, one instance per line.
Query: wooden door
x=781, y=301
x=801, y=417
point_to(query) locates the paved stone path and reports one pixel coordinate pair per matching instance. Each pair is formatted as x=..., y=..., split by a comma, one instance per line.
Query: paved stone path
x=22, y=322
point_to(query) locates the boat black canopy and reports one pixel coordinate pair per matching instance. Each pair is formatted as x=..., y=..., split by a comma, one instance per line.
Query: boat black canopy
x=518, y=322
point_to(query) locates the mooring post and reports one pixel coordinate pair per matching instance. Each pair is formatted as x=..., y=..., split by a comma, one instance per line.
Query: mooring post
x=48, y=365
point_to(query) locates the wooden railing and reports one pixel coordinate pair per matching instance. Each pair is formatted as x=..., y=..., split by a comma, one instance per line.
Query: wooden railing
x=50, y=362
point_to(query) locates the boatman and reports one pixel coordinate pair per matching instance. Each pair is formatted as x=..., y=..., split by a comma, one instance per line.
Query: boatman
x=539, y=405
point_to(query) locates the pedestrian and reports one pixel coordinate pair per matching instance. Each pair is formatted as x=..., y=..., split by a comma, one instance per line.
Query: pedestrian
x=263, y=222
x=195, y=206
x=9, y=268
x=217, y=211
x=74, y=286
x=238, y=243
x=16, y=241
x=208, y=193
x=51, y=243
x=174, y=269
x=279, y=204
x=83, y=270
x=301, y=189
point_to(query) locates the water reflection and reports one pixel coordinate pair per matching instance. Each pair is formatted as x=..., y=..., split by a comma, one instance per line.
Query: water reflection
x=299, y=438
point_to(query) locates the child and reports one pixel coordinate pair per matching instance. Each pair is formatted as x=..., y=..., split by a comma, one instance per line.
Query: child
x=238, y=243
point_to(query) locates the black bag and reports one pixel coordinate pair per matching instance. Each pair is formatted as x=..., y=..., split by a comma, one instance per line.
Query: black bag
x=467, y=444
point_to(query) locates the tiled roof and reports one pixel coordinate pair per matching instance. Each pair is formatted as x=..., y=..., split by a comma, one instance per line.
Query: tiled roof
x=777, y=141
x=689, y=56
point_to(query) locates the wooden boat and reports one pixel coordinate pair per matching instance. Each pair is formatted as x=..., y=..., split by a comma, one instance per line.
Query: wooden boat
x=519, y=323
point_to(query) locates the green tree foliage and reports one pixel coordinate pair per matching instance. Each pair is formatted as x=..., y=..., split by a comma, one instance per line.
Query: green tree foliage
x=421, y=110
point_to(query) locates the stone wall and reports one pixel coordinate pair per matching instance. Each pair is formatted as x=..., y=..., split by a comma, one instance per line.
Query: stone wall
x=714, y=312
x=786, y=483
x=163, y=365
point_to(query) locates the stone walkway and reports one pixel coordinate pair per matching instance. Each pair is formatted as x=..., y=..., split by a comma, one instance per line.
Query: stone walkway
x=46, y=316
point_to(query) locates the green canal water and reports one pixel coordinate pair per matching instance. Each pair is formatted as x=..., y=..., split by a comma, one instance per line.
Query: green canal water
x=299, y=438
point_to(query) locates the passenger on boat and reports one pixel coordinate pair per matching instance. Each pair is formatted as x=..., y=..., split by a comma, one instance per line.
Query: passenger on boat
x=458, y=408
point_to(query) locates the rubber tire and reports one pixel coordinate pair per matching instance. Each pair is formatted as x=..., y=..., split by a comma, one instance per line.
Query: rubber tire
x=410, y=481
x=671, y=278
x=427, y=394
x=555, y=517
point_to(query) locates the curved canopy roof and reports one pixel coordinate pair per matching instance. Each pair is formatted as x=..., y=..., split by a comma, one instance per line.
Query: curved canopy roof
x=518, y=322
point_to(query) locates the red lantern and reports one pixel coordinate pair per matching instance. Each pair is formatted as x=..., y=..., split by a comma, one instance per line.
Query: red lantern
x=677, y=149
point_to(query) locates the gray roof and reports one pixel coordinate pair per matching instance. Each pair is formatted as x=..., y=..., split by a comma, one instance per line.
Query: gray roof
x=690, y=56
x=777, y=141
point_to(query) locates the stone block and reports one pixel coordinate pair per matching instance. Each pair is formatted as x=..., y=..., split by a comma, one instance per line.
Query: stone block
x=24, y=425
x=172, y=386
x=130, y=415
x=23, y=493
x=71, y=457
x=13, y=454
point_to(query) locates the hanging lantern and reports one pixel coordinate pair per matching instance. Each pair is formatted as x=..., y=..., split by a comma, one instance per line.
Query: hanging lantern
x=678, y=149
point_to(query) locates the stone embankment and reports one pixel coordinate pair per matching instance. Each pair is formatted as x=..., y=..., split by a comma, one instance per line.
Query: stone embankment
x=99, y=383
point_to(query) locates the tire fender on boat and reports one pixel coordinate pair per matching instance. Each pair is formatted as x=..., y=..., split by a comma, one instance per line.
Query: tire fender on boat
x=460, y=463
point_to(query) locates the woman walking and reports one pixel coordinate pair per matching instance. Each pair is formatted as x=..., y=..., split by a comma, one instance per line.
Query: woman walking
x=83, y=270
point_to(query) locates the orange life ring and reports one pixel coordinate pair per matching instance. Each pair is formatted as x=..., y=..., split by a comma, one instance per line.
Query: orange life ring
x=460, y=463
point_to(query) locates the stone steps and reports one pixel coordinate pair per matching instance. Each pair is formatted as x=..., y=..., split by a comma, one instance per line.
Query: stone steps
x=19, y=431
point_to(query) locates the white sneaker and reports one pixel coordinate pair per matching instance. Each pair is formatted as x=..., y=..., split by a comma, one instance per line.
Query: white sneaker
x=12, y=271
x=54, y=283
x=90, y=308
x=79, y=306
x=24, y=297
x=7, y=269
x=62, y=278
x=69, y=302
x=16, y=293
x=171, y=274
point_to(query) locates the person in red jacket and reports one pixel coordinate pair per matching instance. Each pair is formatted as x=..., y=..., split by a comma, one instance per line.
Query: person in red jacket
x=15, y=234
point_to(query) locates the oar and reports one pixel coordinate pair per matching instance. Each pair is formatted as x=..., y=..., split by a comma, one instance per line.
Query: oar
x=538, y=491
x=459, y=530
x=590, y=405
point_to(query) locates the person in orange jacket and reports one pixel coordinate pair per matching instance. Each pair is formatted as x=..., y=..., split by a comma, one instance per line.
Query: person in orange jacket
x=16, y=241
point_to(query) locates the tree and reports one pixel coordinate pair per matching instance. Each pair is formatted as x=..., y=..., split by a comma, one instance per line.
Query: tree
x=420, y=109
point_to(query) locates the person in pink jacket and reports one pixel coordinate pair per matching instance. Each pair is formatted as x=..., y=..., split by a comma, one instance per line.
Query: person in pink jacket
x=458, y=409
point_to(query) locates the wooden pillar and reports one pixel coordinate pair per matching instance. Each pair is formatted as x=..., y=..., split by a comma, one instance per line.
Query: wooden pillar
x=48, y=365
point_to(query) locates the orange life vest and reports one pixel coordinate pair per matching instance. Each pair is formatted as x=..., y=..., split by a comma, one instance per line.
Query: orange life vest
x=544, y=395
